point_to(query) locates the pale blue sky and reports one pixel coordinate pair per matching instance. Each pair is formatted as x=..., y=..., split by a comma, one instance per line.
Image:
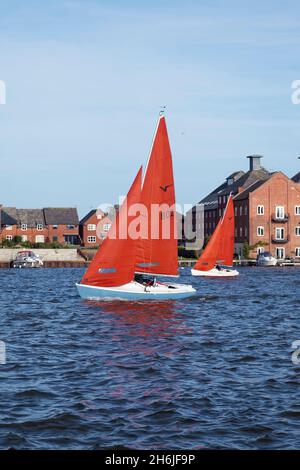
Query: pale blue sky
x=85, y=81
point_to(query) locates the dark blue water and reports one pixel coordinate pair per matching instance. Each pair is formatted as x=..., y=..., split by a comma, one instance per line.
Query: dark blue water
x=211, y=372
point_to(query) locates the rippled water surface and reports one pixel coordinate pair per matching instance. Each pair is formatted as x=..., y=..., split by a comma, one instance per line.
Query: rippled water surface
x=211, y=372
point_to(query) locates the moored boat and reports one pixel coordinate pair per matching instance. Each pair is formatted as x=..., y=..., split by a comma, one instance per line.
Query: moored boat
x=27, y=259
x=266, y=259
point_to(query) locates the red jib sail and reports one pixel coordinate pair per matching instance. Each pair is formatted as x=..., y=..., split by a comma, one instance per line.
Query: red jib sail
x=220, y=247
x=157, y=248
x=208, y=259
x=114, y=262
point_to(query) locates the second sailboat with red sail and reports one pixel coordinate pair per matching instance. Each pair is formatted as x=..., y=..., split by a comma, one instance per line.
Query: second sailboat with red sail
x=217, y=256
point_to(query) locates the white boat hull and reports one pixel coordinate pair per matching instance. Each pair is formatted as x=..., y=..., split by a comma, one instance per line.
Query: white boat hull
x=136, y=291
x=267, y=262
x=224, y=272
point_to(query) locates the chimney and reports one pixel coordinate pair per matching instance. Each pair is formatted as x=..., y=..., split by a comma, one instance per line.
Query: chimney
x=254, y=162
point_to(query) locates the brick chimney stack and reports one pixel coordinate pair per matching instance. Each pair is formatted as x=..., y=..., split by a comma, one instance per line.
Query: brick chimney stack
x=254, y=162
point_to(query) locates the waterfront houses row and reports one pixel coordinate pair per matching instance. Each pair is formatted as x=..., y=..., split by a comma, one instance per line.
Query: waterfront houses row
x=267, y=210
x=53, y=225
x=60, y=225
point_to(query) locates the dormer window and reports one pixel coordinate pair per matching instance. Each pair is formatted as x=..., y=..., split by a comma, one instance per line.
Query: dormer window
x=23, y=226
x=230, y=181
x=40, y=227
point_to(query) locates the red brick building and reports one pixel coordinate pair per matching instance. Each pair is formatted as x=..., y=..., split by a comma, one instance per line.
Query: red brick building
x=267, y=210
x=40, y=225
x=93, y=228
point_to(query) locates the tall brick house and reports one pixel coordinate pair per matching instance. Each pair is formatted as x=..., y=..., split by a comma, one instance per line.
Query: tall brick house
x=93, y=228
x=267, y=210
x=50, y=224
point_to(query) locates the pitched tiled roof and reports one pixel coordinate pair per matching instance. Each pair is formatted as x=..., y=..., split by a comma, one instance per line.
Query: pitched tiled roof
x=31, y=217
x=8, y=218
x=246, y=180
x=252, y=187
x=110, y=214
x=61, y=216
x=87, y=216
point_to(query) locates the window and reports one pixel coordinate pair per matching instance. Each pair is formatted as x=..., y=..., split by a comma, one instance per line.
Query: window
x=54, y=227
x=279, y=233
x=220, y=212
x=55, y=238
x=241, y=231
x=24, y=238
x=246, y=210
x=297, y=252
x=260, y=231
x=70, y=226
x=279, y=212
x=260, y=210
x=235, y=211
x=235, y=232
x=91, y=239
x=91, y=227
x=23, y=226
x=297, y=210
x=224, y=199
x=280, y=253
x=106, y=227
x=297, y=231
x=9, y=237
x=39, y=239
x=246, y=231
x=40, y=227
x=9, y=227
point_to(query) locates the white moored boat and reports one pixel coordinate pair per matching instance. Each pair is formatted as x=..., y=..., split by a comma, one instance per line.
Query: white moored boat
x=127, y=267
x=217, y=257
x=266, y=259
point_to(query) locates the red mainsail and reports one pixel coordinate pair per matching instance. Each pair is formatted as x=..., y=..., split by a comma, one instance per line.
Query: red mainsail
x=226, y=248
x=220, y=247
x=156, y=250
x=114, y=262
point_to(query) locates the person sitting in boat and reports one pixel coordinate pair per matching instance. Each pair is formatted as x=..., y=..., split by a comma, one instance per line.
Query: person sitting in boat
x=218, y=267
x=141, y=279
